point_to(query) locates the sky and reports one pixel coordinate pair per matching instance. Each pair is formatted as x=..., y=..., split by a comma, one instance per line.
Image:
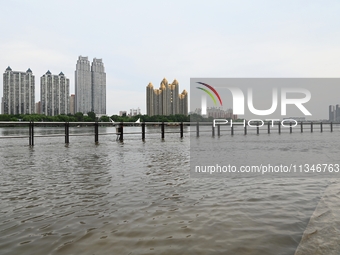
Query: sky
x=145, y=41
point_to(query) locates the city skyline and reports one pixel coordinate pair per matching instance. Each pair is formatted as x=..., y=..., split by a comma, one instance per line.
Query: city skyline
x=20, y=81
x=55, y=96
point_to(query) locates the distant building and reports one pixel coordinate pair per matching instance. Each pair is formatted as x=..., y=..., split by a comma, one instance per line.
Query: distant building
x=334, y=113
x=166, y=100
x=134, y=112
x=90, y=86
x=217, y=113
x=2, y=105
x=72, y=104
x=54, y=94
x=122, y=113
x=38, y=107
x=337, y=113
x=331, y=112
x=98, y=87
x=18, y=92
x=83, y=86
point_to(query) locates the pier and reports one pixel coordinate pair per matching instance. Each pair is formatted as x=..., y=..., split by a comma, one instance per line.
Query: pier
x=197, y=128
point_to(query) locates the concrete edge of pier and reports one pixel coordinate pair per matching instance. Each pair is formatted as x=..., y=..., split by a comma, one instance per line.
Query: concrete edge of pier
x=322, y=235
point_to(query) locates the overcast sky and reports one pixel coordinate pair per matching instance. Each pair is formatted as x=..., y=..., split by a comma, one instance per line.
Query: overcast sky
x=145, y=41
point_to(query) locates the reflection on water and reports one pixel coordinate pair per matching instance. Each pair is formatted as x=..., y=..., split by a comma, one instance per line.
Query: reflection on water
x=137, y=198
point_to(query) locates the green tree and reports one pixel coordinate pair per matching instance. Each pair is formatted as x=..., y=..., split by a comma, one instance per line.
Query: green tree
x=92, y=116
x=88, y=119
x=5, y=117
x=79, y=116
x=104, y=119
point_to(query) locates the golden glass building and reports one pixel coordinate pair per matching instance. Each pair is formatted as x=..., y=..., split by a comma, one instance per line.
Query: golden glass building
x=166, y=100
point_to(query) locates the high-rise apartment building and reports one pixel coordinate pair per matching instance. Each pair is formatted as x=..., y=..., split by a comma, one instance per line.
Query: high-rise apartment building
x=83, y=86
x=90, y=86
x=134, y=112
x=337, y=113
x=334, y=113
x=18, y=92
x=98, y=76
x=166, y=100
x=331, y=112
x=54, y=94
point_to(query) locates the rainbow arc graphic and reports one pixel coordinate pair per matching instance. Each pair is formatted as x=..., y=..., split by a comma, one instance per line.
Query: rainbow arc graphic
x=204, y=100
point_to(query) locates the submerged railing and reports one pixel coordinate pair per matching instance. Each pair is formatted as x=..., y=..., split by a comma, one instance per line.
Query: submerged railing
x=236, y=126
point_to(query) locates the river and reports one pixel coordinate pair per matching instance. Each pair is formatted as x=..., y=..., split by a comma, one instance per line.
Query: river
x=138, y=198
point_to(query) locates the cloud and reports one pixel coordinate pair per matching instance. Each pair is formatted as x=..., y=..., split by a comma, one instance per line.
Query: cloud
x=145, y=42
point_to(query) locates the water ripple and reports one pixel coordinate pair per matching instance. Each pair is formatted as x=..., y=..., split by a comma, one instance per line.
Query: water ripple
x=137, y=198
